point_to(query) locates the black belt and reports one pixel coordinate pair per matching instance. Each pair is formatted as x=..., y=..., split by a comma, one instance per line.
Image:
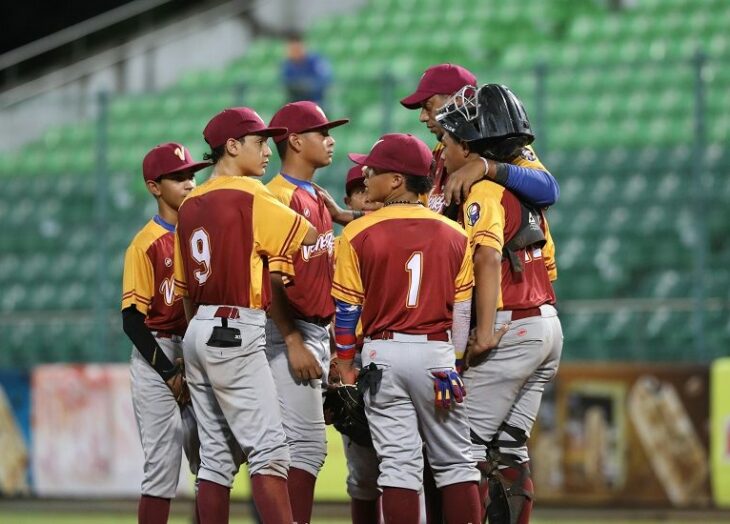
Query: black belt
x=320, y=321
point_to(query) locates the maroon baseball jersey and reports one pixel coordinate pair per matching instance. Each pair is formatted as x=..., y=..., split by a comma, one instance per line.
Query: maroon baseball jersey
x=308, y=273
x=226, y=229
x=148, y=280
x=407, y=266
x=492, y=216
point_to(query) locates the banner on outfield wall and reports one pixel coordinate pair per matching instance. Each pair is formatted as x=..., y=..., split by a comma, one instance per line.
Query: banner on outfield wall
x=85, y=439
x=624, y=435
x=14, y=433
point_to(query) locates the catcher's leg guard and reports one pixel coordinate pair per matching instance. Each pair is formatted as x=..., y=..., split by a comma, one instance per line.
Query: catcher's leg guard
x=508, y=483
x=510, y=495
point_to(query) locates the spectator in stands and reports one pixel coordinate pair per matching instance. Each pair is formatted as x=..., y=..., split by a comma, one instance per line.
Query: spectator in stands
x=306, y=75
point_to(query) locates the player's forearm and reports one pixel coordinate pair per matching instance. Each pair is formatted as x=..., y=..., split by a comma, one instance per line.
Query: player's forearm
x=460, y=329
x=140, y=335
x=487, y=279
x=189, y=308
x=535, y=186
x=346, y=319
x=281, y=311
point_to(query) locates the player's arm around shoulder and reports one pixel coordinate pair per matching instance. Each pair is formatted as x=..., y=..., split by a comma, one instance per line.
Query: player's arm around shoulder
x=278, y=230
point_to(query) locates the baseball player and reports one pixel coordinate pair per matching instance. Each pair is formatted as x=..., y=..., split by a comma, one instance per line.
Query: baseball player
x=523, y=175
x=408, y=271
x=297, y=332
x=154, y=320
x=513, y=290
x=226, y=229
x=362, y=461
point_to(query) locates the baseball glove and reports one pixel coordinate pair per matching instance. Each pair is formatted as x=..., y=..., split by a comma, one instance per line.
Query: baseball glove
x=345, y=409
x=178, y=385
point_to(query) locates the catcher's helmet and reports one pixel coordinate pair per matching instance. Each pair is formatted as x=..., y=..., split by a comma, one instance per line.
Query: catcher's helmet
x=491, y=119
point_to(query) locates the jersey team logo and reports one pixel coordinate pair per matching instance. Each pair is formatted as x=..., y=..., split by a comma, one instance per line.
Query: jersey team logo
x=325, y=244
x=167, y=290
x=472, y=213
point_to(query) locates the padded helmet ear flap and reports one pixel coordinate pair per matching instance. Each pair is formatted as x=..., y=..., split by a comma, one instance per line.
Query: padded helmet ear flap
x=501, y=115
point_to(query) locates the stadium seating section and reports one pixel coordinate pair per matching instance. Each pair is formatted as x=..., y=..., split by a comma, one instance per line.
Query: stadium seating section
x=610, y=92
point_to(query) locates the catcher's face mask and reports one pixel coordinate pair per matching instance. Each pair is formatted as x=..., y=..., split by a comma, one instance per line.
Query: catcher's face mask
x=458, y=114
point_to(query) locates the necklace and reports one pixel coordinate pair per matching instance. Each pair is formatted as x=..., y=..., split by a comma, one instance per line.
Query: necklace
x=401, y=202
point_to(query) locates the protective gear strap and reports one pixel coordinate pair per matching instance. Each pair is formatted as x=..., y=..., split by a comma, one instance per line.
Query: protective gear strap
x=529, y=234
x=140, y=335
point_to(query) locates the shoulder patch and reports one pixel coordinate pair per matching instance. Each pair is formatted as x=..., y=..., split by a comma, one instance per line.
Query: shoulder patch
x=473, y=212
x=527, y=154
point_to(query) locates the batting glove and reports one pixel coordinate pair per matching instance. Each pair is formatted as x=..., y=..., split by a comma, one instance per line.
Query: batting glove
x=447, y=385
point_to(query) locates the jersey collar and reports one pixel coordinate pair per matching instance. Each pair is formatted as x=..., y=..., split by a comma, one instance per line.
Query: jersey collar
x=304, y=184
x=160, y=221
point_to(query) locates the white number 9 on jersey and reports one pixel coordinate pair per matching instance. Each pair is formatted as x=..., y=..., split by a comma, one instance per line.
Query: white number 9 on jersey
x=200, y=251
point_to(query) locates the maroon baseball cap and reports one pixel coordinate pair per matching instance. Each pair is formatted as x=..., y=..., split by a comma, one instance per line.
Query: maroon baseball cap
x=236, y=122
x=442, y=79
x=355, y=176
x=302, y=117
x=166, y=159
x=399, y=153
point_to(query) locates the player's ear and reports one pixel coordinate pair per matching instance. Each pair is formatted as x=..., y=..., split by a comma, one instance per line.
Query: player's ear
x=464, y=148
x=347, y=201
x=232, y=146
x=154, y=188
x=295, y=142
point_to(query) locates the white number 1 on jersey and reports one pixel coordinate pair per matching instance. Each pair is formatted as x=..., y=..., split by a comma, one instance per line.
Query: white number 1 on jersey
x=414, y=266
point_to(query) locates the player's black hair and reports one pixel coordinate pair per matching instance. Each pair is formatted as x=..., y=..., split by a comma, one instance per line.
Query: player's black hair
x=420, y=185
x=281, y=148
x=215, y=154
x=351, y=188
x=294, y=36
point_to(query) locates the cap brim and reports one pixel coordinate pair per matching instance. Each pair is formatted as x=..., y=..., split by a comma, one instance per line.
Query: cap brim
x=415, y=100
x=269, y=131
x=327, y=125
x=358, y=158
x=193, y=166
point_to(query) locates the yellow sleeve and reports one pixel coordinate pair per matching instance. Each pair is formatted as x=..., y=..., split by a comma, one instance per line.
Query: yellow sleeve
x=283, y=265
x=464, y=282
x=138, y=280
x=484, y=218
x=277, y=230
x=181, y=284
x=548, y=253
x=347, y=284
x=528, y=158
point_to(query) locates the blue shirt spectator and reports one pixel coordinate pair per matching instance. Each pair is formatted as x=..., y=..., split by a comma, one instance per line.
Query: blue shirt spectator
x=305, y=75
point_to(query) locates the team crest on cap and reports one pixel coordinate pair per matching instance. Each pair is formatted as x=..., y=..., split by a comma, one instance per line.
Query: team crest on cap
x=179, y=153
x=472, y=213
x=321, y=111
x=376, y=143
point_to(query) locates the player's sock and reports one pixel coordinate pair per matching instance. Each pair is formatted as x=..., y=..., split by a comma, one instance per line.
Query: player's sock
x=400, y=506
x=301, y=494
x=483, y=488
x=272, y=499
x=461, y=502
x=513, y=474
x=365, y=511
x=214, y=502
x=153, y=510
x=431, y=496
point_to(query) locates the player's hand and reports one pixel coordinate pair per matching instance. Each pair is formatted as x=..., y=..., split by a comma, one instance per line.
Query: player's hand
x=178, y=384
x=480, y=344
x=460, y=181
x=347, y=371
x=336, y=212
x=303, y=363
